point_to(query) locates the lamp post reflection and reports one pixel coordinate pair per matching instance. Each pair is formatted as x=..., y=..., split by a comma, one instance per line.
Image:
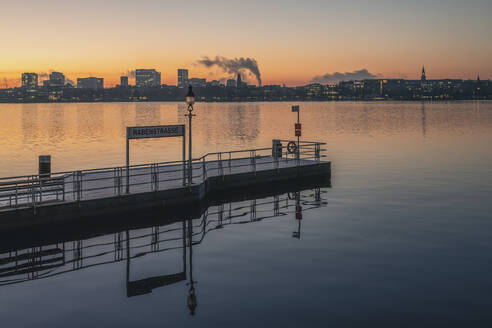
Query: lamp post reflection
x=192, y=302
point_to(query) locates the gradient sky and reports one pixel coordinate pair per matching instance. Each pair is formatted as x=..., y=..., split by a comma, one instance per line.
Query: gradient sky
x=293, y=41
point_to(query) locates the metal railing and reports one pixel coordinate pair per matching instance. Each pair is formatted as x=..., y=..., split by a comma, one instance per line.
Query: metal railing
x=75, y=186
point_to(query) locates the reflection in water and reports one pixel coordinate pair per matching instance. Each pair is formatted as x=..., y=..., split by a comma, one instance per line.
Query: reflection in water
x=30, y=123
x=423, y=120
x=125, y=112
x=90, y=122
x=243, y=121
x=56, y=128
x=97, y=131
x=63, y=257
x=180, y=113
x=147, y=114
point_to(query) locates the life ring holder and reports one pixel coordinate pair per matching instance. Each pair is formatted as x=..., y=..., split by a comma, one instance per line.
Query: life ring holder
x=292, y=147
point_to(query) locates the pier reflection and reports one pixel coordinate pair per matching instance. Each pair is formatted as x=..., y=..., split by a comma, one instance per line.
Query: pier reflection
x=19, y=265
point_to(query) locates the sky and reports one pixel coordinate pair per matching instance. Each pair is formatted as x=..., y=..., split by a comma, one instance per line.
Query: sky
x=292, y=41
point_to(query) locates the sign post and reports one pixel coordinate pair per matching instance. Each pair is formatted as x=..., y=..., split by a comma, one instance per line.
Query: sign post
x=297, y=130
x=160, y=131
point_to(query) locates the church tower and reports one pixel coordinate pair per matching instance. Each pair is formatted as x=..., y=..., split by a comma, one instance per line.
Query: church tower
x=239, y=83
x=423, y=78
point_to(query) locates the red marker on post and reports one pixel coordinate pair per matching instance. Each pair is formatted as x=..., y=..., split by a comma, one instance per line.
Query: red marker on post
x=297, y=130
x=297, y=127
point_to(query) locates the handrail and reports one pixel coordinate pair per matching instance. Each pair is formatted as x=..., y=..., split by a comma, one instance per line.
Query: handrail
x=31, y=190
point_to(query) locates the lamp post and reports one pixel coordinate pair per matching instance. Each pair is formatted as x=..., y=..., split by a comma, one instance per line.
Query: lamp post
x=190, y=100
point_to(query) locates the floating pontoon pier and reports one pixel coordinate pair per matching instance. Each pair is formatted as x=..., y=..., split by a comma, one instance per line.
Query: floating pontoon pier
x=27, y=200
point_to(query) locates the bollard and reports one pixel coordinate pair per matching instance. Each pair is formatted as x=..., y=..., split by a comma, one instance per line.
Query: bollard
x=276, y=149
x=45, y=166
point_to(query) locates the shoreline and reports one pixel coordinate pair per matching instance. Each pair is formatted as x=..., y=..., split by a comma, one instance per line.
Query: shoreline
x=248, y=101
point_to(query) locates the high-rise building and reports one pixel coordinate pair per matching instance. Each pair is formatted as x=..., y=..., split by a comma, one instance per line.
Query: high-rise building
x=57, y=79
x=92, y=83
x=124, y=81
x=29, y=81
x=145, y=78
x=423, y=78
x=182, y=78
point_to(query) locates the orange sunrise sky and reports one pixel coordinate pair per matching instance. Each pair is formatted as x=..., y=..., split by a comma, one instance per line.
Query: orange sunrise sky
x=292, y=41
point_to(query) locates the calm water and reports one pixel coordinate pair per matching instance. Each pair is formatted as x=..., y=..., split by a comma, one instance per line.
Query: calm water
x=403, y=237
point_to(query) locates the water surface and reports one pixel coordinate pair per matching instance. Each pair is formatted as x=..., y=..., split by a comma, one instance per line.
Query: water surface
x=403, y=237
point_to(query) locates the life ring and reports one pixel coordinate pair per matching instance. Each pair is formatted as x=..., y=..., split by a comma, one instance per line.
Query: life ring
x=292, y=147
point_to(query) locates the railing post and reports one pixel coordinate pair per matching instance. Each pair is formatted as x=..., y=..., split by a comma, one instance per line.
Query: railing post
x=115, y=179
x=157, y=177
x=219, y=165
x=119, y=174
x=298, y=154
x=253, y=160
x=16, y=193
x=40, y=189
x=33, y=191
x=78, y=186
x=204, y=166
x=317, y=152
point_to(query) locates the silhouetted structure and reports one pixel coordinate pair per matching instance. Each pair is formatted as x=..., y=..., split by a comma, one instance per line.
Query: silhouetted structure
x=148, y=88
x=57, y=79
x=30, y=81
x=182, y=78
x=145, y=78
x=92, y=83
x=124, y=81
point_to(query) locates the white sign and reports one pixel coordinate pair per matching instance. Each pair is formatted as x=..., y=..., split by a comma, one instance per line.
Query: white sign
x=162, y=131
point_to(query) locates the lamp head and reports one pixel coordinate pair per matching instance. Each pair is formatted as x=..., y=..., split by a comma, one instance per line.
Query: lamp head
x=190, y=97
x=192, y=303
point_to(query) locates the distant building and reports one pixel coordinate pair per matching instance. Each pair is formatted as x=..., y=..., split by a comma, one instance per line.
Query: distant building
x=145, y=78
x=239, y=82
x=231, y=83
x=29, y=81
x=423, y=78
x=214, y=83
x=124, y=81
x=198, y=82
x=93, y=83
x=182, y=78
x=57, y=79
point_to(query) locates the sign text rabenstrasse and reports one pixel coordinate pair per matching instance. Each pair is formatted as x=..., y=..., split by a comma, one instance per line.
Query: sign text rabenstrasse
x=161, y=131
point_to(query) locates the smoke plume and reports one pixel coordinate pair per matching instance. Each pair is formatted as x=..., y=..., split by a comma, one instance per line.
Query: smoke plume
x=336, y=77
x=130, y=74
x=234, y=65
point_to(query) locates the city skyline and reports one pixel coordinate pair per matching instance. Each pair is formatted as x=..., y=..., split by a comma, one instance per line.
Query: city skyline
x=150, y=77
x=292, y=43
